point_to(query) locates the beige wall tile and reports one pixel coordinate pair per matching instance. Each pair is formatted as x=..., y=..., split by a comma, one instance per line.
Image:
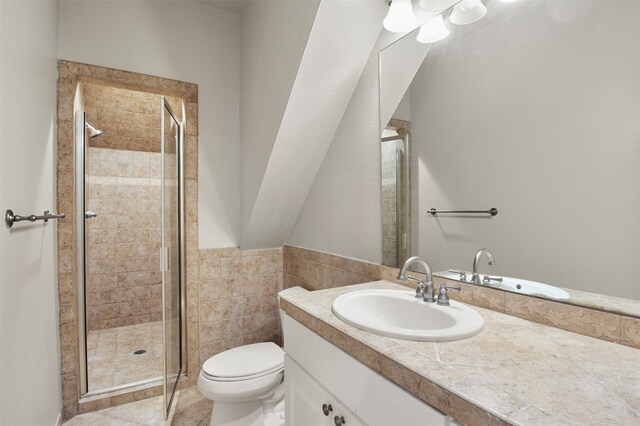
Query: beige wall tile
x=191, y=200
x=631, y=332
x=130, y=120
x=315, y=270
x=592, y=323
x=209, y=268
x=191, y=157
x=238, y=298
x=475, y=295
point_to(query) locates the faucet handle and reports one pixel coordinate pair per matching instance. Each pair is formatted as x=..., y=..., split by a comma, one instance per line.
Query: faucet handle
x=463, y=274
x=488, y=278
x=443, y=295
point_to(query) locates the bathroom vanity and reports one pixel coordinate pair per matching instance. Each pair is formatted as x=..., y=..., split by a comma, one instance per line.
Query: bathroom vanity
x=326, y=386
x=513, y=372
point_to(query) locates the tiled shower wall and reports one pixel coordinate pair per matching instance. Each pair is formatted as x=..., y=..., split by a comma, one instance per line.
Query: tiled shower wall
x=124, y=282
x=129, y=119
x=124, y=166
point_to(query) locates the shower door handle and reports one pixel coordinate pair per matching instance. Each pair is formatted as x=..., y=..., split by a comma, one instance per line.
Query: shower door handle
x=89, y=214
x=164, y=259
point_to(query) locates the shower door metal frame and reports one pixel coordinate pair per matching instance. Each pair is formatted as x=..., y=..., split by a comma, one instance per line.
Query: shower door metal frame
x=80, y=160
x=80, y=140
x=403, y=239
x=165, y=258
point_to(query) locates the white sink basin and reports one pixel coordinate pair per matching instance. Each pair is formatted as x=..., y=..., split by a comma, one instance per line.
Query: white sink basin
x=517, y=285
x=397, y=313
x=531, y=288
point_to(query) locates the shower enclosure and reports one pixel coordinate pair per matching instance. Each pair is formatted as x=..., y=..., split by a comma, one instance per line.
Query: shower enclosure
x=130, y=239
x=395, y=182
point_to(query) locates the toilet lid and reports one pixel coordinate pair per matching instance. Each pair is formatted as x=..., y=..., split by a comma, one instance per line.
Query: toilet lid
x=248, y=360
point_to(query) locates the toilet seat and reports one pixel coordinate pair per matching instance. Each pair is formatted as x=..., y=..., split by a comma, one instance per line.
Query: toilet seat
x=243, y=378
x=244, y=363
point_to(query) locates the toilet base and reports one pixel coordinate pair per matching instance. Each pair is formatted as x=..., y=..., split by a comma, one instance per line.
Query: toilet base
x=265, y=412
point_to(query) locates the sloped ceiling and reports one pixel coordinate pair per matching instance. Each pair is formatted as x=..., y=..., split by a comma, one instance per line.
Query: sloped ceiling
x=278, y=169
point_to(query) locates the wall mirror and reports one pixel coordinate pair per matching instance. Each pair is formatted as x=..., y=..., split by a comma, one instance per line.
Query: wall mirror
x=533, y=110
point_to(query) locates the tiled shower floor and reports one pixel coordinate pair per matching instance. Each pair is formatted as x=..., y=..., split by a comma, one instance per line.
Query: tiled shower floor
x=110, y=355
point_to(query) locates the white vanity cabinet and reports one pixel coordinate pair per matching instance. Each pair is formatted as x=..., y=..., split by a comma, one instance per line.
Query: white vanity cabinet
x=318, y=374
x=309, y=403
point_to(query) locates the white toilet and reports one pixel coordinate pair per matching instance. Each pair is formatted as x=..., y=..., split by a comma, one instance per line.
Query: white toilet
x=246, y=385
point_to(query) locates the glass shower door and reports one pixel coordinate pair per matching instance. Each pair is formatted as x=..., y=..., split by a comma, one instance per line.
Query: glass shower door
x=170, y=250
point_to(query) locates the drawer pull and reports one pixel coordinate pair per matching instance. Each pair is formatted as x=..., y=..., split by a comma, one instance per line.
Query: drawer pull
x=326, y=409
x=339, y=420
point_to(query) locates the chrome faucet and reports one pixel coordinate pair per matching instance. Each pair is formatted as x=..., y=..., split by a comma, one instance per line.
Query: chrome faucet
x=492, y=262
x=425, y=289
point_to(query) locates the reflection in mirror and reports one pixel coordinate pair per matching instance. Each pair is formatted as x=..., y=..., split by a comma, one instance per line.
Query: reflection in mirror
x=534, y=110
x=396, y=206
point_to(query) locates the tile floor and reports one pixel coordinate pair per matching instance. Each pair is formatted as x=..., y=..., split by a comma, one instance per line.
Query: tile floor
x=110, y=355
x=189, y=409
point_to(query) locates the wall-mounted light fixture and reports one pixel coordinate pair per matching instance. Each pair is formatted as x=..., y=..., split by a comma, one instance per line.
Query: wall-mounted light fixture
x=467, y=12
x=433, y=30
x=400, y=18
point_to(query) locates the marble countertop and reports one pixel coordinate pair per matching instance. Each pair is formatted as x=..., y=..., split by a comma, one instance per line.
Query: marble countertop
x=514, y=372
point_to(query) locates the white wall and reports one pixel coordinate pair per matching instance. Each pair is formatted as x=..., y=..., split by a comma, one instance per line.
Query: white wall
x=399, y=64
x=273, y=39
x=29, y=347
x=403, y=112
x=186, y=41
x=536, y=115
x=336, y=52
x=341, y=213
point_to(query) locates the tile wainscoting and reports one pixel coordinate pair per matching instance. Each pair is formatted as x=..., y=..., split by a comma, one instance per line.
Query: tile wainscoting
x=237, y=302
x=315, y=270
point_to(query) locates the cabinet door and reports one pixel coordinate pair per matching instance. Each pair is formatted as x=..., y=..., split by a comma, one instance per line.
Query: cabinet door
x=308, y=403
x=371, y=398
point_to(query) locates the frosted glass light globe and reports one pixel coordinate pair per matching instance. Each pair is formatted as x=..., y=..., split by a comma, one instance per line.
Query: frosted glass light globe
x=400, y=18
x=467, y=12
x=433, y=30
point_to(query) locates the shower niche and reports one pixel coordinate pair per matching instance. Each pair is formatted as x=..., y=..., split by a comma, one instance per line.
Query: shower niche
x=129, y=238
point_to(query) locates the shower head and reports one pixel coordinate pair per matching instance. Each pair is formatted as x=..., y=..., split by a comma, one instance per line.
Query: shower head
x=93, y=132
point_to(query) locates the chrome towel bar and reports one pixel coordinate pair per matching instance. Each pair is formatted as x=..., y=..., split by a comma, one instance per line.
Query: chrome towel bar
x=492, y=211
x=10, y=218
